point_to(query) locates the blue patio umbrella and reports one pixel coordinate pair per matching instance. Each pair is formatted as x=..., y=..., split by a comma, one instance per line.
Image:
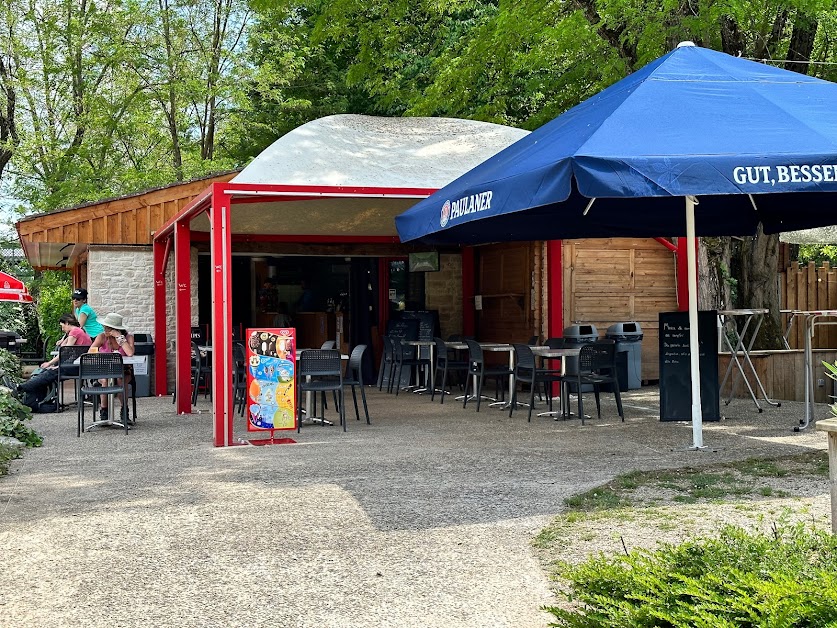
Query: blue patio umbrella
x=736, y=142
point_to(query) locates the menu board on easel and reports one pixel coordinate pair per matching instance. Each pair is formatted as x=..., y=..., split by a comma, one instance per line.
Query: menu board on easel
x=271, y=390
x=675, y=366
x=401, y=329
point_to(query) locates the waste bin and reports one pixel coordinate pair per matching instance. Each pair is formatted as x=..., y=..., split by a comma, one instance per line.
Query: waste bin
x=628, y=337
x=144, y=347
x=576, y=336
x=8, y=340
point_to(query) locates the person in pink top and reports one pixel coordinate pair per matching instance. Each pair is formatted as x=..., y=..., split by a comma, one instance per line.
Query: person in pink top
x=36, y=387
x=115, y=339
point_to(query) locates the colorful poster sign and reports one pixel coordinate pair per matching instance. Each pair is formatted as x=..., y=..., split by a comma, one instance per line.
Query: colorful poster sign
x=271, y=390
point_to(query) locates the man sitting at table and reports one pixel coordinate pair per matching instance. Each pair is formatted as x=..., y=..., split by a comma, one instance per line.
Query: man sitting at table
x=115, y=339
x=36, y=389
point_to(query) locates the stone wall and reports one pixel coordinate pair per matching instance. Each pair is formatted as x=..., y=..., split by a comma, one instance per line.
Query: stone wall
x=121, y=280
x=443, y=292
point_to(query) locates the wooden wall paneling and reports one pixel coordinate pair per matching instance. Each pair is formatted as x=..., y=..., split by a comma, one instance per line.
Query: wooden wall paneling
x=822, y=300
x=783, y=300
x=567, y=257
x=802, y=302
x=99, y=230
x=71, y=233
x=156, y=216
x=504, y=276
x=831, y=304
x=143, y=232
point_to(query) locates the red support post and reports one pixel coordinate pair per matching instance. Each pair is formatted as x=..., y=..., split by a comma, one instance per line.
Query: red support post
x=468, y=283
x=160, y=339
x=222, y=360
x=555, y=288
x=683, y=275
x=183, y=318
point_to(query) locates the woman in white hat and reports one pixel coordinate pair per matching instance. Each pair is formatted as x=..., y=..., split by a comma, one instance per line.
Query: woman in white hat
x=115, y=339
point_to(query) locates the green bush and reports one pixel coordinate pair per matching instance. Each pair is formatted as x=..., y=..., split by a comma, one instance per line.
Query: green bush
x=736, y=579
x=7, y=454
x=13, y=418
x=54, y=290
x=10, y=367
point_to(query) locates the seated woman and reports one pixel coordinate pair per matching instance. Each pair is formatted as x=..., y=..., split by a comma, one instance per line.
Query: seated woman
x=36, y=387
x=115, y=339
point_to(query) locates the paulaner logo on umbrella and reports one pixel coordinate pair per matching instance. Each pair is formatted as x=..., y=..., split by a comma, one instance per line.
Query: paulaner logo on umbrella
x=466, y=205
x=445, y=214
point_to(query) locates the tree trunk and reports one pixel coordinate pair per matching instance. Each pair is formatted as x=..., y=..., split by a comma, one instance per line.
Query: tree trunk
x=714, y=281
x=8, y=129
x=758, y=287
x=801, y=43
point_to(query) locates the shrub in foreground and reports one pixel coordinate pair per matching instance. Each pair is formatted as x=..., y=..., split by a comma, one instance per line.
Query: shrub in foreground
x=738, y=578
x=13, y=420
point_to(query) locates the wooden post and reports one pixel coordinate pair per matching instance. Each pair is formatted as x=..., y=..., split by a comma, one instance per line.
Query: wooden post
x=830, y=426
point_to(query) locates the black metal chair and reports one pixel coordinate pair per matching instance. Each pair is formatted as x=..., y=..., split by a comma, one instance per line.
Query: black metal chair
x=477, y=369
x=445, y=364
x=354, y=377
x=596, y=366
x=92, y=368
x=67, y=370
x=319, y=372
x=526, y=371
x=405, y=356
x=387, y=360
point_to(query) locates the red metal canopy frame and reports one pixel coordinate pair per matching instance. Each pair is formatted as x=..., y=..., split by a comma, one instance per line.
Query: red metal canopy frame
x=176, y=235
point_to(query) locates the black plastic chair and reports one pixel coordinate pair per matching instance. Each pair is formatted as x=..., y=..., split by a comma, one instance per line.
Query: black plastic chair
x=405, y=356
x=93, y=367
x=201, y=373
x=239, y=376
x=596, y=366
x=354, y=377
x=445, y=364
x=329, y=344
x=526, y=371
x=477, y=369
x=387, y=360
x=319, y=372
x=554, y=368
x=67, y=371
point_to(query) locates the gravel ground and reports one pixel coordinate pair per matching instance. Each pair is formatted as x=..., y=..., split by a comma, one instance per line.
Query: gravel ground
x=424, y=518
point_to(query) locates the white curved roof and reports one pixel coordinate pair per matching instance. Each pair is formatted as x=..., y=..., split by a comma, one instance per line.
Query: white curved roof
x=368, y=151
x=820, y=235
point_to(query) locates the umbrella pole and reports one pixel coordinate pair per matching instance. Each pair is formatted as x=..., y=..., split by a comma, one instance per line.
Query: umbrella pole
x=691, y=266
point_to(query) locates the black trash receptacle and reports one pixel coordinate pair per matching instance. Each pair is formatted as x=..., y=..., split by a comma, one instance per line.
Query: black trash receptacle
x=628, y=337
x=576, y=336
x=143, y=346
x=8, y=340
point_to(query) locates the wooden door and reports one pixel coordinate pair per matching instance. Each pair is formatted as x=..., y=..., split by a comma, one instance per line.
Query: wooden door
x=504, y=281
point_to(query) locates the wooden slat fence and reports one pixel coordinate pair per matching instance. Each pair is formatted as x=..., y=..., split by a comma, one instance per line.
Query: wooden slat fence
x=809, y=288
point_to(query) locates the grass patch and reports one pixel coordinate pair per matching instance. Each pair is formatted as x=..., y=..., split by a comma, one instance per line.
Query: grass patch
x=600, y=498
x=746, y=478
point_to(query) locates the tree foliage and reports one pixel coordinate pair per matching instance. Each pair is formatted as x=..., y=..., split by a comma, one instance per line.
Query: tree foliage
x=90, y=81
x=104, y=97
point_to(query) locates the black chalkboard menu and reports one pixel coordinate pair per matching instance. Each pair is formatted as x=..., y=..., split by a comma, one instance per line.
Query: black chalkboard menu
x=428, y=322
x=406, y=329
x=675, y=371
